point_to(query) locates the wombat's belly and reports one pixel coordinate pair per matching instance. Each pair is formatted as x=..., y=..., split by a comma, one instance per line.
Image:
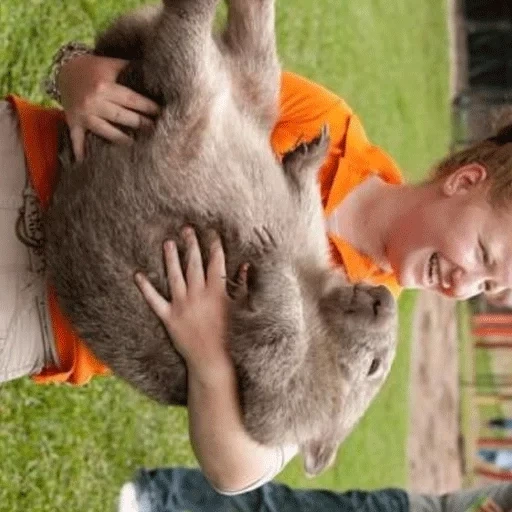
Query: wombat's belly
x=110, y=217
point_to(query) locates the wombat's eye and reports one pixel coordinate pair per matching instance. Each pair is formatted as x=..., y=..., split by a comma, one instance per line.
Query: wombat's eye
x=374, y=366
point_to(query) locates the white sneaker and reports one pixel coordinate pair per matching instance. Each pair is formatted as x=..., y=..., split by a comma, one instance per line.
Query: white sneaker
x=128, y=498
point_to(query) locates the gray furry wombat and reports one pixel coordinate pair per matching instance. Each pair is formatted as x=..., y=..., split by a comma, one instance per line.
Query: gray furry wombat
x=310, y=351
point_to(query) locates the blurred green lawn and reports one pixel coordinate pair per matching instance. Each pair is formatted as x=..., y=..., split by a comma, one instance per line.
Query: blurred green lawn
x=70, y=449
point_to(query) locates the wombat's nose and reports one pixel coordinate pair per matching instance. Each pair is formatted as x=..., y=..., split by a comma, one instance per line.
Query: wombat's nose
x=379, y=298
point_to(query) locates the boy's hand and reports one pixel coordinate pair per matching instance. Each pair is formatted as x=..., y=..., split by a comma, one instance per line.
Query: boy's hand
x=195, y=318
x=93, y=101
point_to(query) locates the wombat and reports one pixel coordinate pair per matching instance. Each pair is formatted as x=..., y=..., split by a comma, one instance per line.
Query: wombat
x=310, y=351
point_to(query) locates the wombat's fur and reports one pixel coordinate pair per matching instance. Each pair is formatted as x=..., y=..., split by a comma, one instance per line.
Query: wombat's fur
x=310, y=351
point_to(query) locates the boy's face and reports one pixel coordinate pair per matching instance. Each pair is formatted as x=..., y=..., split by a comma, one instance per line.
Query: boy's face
x=455, y=242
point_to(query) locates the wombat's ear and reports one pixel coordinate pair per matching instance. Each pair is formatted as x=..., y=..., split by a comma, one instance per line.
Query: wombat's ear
x=318, y=455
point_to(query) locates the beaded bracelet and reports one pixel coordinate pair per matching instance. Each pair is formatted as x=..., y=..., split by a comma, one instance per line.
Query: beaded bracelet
x=63, y=55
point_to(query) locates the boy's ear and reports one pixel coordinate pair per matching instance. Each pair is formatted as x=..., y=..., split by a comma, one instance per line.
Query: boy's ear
x=464, y=179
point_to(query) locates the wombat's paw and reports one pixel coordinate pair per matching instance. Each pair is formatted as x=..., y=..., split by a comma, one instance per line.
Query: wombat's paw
x=237, y=288
x=307, y=156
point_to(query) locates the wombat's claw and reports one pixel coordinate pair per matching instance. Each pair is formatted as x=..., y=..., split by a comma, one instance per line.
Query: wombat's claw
x=301, y=148
x=232, y=288
x=320, y=141
x=237, y=288
x=306, y=153
x=322, y=137
x=266, y=239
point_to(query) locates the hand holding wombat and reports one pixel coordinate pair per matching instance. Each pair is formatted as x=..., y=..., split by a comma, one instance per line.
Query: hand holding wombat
x=195, y=293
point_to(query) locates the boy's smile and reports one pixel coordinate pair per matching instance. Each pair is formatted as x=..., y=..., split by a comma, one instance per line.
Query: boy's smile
x=434, y=276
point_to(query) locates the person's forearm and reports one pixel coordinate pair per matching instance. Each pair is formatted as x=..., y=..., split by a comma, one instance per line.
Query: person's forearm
x=228, y=456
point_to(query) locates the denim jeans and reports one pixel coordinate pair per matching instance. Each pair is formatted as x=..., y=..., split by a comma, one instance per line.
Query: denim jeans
x=186, y=490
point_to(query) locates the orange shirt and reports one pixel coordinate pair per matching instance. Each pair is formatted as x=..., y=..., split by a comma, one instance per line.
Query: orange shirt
x=305, y=108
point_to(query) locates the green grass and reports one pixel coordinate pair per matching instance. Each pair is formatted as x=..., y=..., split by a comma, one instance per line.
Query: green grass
x=65, y=448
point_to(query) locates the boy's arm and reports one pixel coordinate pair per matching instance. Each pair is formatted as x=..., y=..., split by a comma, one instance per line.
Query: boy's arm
x=196, y=320
x=231, y=460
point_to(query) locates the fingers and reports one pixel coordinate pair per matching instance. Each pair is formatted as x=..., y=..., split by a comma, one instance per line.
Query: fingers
x=123, y=116
x=216, y=273
x=106, y=130
x=125, y=97
x=180, y=286
x=77, y=134
x=194, y=261
x=177, y=285
x=157, y=303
